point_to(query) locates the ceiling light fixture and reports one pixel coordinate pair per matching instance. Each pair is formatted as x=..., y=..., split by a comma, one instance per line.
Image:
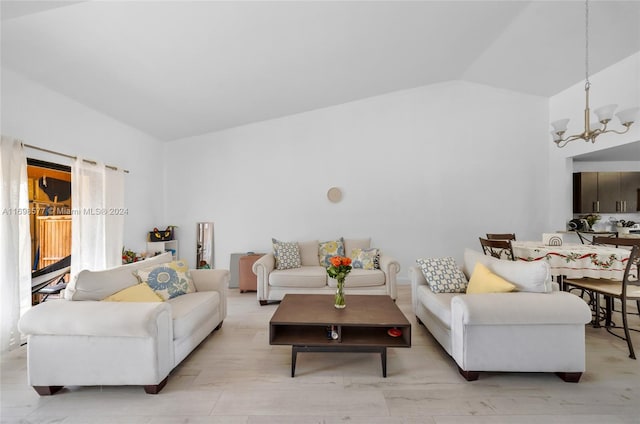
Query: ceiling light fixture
x=604, y=113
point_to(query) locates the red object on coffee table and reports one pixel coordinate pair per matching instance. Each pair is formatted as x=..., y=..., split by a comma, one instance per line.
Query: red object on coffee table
x=394, y=332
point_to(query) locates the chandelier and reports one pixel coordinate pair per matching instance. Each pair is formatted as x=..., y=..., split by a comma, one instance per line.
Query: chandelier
x=604, y=114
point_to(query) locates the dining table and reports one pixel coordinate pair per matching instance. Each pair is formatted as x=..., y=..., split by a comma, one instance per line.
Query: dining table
x=574, y=260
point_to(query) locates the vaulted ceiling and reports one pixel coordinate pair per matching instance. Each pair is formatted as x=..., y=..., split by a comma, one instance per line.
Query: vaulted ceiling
x=175, y=69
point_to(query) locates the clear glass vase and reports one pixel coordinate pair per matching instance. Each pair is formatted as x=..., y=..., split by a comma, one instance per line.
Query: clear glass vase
x=339, y=302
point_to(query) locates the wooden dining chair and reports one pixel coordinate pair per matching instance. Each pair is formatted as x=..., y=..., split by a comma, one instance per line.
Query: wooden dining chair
x=616, y=241
x=501, y=236
x=620, y=243
x=587, y=238
x=500, y=249
x=626, y=290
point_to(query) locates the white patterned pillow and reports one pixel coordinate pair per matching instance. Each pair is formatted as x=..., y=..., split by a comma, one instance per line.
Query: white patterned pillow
x=364, y=258
x=328, y=249
x=443, y=275
x=287, y=254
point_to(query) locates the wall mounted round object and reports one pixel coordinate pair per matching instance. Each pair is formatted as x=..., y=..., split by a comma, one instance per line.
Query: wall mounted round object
x=334, y=194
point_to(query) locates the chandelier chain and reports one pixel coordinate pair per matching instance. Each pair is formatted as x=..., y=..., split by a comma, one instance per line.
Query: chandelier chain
x=604, y=114
x=586, y=44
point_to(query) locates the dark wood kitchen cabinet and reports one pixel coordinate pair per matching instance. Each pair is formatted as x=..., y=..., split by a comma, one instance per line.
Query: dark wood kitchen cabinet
x=608, y=192
x=629, y=189
x=605, y=192
x=585, y=192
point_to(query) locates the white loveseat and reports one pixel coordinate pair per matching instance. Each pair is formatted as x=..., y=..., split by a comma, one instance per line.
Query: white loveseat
x=311, y=277
x=542, y=330
x=83, y=341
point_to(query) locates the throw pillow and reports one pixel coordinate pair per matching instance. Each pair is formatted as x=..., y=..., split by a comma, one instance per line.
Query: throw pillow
x=179, y=265
x=328, y=249
x=287, y=254
x=138, y=293
x=167, y=280
x=527, y=276
x=443, y=275
x=364, y=258
x=484, y=281
x=96, y=285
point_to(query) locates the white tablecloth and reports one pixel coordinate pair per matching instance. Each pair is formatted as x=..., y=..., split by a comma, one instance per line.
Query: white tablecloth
x=576, y=260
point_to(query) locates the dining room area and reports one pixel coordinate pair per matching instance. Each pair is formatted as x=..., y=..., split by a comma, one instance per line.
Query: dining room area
x=604, y=272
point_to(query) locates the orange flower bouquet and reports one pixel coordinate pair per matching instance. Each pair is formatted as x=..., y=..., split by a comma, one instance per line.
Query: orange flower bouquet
x=340, y=267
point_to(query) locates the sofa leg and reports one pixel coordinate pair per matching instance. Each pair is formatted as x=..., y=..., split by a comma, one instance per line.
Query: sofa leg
x=419, y=321
x=469, y=375
x=154, y=389
x=263, y=302
x=218, y=327
x=47, y=390
x=570, y=377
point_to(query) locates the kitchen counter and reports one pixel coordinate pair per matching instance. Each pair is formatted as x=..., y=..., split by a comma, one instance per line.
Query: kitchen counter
x=595, y=233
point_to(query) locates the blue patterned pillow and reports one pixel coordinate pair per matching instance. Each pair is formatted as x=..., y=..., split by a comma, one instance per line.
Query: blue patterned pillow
x=287, y=254
x=443, y=275
x=167, y=280
x=327, y=249
x=364, y=258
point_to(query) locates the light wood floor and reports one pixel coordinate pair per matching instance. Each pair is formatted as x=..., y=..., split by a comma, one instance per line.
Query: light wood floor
x=235, y=376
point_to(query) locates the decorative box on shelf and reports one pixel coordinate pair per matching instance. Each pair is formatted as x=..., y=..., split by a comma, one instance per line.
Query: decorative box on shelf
x=161, y=235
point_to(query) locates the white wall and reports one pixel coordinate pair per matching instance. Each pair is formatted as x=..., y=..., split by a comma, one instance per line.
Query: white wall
x=619, y=84
x=424, y=172
x=46, y=119
x=410, y=164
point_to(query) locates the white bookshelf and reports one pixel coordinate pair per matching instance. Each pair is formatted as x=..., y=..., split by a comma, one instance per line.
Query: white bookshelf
x=154, y=247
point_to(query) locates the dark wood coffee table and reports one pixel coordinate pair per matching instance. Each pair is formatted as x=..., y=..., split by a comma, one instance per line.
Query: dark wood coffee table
x=304, y=321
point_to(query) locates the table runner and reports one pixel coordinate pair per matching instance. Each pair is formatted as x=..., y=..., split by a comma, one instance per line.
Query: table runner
x=576, y=260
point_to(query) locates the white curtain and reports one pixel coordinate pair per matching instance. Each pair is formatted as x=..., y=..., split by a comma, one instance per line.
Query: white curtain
x=97, y=221
x=15, y=241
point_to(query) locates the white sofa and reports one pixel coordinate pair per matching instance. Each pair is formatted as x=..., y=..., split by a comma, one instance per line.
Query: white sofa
x=311, y=277
x=521, y=331
x=82, y=341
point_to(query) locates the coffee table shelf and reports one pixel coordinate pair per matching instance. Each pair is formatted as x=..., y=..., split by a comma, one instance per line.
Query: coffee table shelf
x=317, y=335
x=302, y=322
